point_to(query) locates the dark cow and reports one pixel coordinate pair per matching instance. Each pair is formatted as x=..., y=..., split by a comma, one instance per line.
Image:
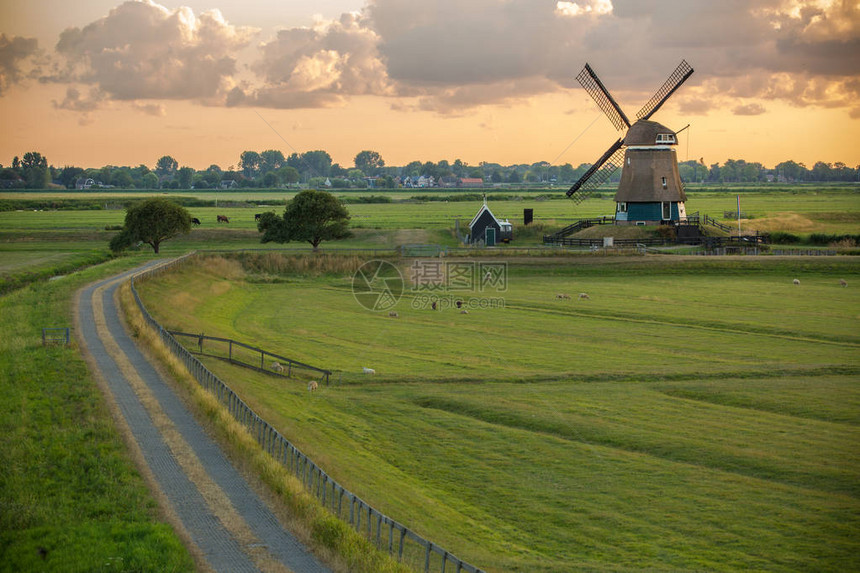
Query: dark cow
x=257, y=216
x=195, y=221
x=223, y=219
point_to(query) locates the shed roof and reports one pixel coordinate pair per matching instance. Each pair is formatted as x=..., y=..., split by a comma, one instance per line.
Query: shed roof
x=481, y=211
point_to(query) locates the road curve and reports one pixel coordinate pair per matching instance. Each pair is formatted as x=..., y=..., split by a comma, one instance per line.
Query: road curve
x=229, y=526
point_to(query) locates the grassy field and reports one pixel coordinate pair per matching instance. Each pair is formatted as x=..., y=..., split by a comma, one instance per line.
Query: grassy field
x=690, y=415
x=70, y=497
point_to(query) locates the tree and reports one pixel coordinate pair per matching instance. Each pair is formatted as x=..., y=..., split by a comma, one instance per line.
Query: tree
x=34, y=170
x=370, y=162
x=185, y=177
x=152, y=222
x=249, y=163
x=165, y=167
x=149, y=181
x=317, y=162
x=289, y=175
x=312, y=216
x=270, y=160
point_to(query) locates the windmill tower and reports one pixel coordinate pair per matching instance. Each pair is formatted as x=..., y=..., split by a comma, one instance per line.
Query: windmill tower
x=650, y=191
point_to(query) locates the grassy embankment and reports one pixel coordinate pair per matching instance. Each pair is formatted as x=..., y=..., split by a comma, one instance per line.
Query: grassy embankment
x=70, y=497
x=691, y=415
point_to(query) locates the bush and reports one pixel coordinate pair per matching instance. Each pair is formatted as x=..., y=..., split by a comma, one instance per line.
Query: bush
x=825, y=239
x=783, y=238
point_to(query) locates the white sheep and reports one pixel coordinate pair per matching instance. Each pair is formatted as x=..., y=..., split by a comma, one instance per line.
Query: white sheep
x=277, y=367
x=312, y=385
x=464, y=311
x=583, y=295
x=393, y=314
x=797, y=282
x=367, y=370
x=562, y=296
x=843, y=282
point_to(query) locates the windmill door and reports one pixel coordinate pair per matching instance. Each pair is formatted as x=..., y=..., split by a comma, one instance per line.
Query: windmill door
x=667, y=210
x=490, y=235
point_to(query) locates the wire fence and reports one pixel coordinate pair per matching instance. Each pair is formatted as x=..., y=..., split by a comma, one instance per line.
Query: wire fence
x=385, y=532
x=237, y=352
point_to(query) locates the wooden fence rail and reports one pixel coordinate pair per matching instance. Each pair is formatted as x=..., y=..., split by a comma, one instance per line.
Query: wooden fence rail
x=384, y=531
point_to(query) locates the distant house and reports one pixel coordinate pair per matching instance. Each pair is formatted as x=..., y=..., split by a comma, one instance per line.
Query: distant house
x=486, y=229
x=471, y=182
x=84, y=183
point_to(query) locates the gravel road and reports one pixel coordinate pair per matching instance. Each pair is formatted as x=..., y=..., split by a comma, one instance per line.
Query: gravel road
x=230, y=525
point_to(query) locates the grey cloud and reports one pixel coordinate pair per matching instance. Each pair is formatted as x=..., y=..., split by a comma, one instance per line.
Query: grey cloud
x=13, y=53
x=749, y=109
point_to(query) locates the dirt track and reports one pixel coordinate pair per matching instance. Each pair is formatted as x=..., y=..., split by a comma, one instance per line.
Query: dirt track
x=225, y=523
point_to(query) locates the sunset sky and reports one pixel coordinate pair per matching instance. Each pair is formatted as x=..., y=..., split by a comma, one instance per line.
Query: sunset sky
x=100, y=82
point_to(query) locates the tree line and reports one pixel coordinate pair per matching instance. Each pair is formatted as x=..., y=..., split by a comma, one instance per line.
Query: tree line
x=272, y=169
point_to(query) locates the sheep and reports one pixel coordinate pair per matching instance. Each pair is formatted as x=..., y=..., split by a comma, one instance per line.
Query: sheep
x=464, y=311
x=367, y=370
x=277, y=367
x=584, y=295
x=797, y=282
x=562, y=296
x=843, y=282
x=312, y=385
x=393, y=314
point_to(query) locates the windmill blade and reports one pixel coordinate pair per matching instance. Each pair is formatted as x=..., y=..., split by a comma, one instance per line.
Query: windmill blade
x=592, y=84
x=678, y=77
x=598, y=173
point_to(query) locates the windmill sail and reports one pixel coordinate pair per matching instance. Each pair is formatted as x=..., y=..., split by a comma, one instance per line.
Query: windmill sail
x=592, y=84
x=598, y=173
x=678, y=77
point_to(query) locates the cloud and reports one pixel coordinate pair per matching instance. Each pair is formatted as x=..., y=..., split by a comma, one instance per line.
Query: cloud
x=318, y=67
x=452, y=57
x=749, y=109
x=142, y=50
x=14, y=52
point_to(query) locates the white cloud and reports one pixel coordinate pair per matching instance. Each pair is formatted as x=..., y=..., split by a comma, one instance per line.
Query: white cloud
x=142, y=50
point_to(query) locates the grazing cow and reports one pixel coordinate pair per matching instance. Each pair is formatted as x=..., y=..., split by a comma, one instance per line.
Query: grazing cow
x=223, y=219
x=312, y=385
x=195, y=221
x=796, y=282
x=584, y=295
x=367, y=370
x=257, y=216
x=277, y=367
x=843, y=282
x=459, y=304
x=433, y=305
x=393, y=314
x=562, y=296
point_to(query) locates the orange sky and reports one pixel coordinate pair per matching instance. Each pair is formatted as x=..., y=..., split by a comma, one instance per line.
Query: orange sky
x=364, y=84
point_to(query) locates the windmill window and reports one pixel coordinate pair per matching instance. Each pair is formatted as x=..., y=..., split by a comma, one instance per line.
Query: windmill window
x=664, y=182
x=665, y=138
x=622, y=207
x=628, y=161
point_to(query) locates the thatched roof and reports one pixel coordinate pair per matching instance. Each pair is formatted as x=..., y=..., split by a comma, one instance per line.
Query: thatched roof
x=642, y=177
x=644, y=132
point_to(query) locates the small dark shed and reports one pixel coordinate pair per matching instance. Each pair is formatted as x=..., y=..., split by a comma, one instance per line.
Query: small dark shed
x=486, y=229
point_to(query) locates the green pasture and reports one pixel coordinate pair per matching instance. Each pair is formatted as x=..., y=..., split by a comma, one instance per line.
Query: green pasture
x=70, y=497
x=689, y=415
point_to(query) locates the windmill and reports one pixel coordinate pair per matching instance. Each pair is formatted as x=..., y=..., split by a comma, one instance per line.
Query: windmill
x=650, y=190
